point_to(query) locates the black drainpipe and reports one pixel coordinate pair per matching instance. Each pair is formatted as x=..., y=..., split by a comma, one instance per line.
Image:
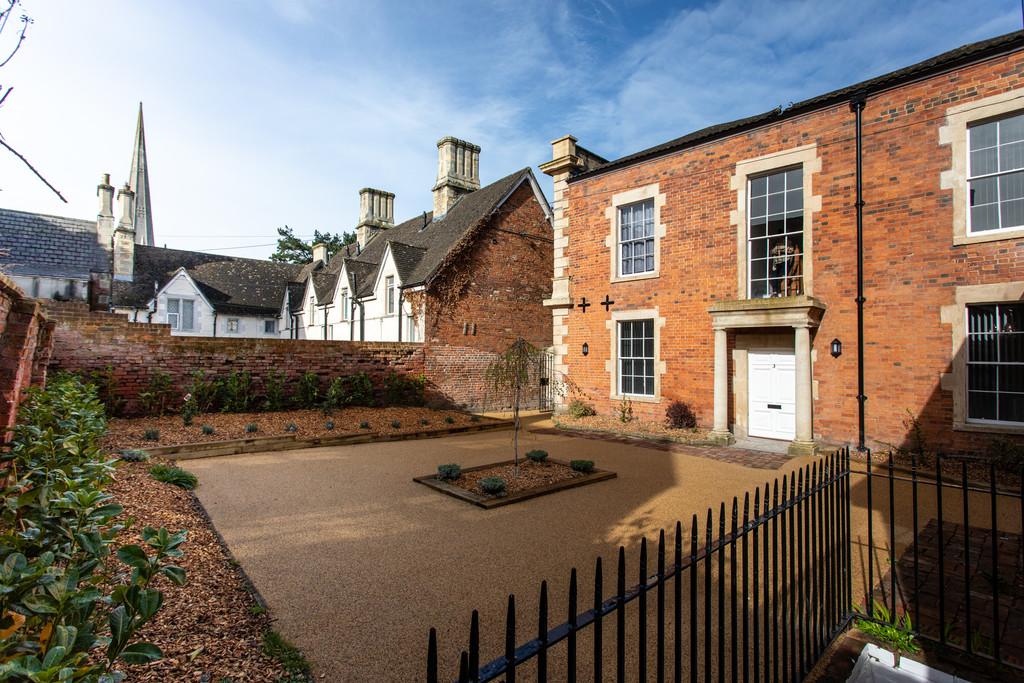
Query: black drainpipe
x=362, y=322
x=857, y=106
x=215, y=322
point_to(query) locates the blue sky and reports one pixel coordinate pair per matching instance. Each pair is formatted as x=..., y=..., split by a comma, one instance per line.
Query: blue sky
x=262, y=113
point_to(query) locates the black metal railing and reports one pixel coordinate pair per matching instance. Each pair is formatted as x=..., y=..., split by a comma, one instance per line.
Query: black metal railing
x=960, y=577
x=760, y=602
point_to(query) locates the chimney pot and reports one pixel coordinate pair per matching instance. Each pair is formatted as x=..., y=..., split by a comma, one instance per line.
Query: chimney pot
x=320, y=252
x=105, y=215
x=376, y=213
x=458, y=172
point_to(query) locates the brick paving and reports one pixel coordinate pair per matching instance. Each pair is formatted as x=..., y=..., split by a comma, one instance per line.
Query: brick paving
x=953, y=594
x=745, y=457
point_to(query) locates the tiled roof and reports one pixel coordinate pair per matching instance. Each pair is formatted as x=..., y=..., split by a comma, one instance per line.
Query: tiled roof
x=961, y=56
x=54, y=246
x=231, y=284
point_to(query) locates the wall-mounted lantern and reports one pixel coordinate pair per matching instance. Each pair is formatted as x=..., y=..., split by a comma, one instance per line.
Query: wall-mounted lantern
x=836, y=348
x=586, y=348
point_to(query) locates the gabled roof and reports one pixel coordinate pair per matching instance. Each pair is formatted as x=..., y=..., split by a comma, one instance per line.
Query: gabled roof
x=231, y=284
x=961, y=56
x=420, y=245
x=53, y=246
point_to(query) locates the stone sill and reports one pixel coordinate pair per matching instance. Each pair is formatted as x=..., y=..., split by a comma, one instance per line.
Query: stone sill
x=984, y=428
x=558, y=303
x=770, y=304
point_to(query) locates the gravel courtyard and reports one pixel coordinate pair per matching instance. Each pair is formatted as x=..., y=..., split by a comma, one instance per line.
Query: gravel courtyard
x=357, y=561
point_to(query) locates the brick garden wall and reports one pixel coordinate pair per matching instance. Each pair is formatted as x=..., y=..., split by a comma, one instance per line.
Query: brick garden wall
x=25, y=344
x=912, y=266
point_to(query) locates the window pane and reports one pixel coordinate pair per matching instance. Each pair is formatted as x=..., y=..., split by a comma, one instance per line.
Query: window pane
x=795, y=178
x=758, y=207
x=186, y=314
x=776, y=203
x=172, y=305
x=795, y=223
x=1011, y=378
x=627, y=384
x=758, y=227
x=776, y=226
x=981, y=405
x=627, y=266
x=981, y=377
x=981, y=348
x=758, y=187
x=1011, y=319
x=981, y=319
x=984, y=161
x=648, y=348
x=983, y=135
x=984, y=217
x=1011, y=407
x=1011, y=129
x=984, y=191
x=1011, y=156
x=1011, y=347
x=759, y=268
x=758, y=248
x=777, y=182
x=1011, y=186
x=1012, y=213
x=648, y=328
x=794, y=200
x=758, y=289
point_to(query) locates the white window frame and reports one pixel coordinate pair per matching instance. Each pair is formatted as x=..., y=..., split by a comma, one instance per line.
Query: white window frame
x=612, y=241
x=272, y=323
x=997, y=174
x=176, y=325
x=767, y=238
x=234, y=323
x=312, y=312
x=620, y=244
x=389, y=295
x=344, y=305
x=998, y=362
x=653, y=358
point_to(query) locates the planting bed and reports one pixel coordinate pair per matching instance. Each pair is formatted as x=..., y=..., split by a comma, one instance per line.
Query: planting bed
x=644, y=429
x=533, y=479
x=130, y=432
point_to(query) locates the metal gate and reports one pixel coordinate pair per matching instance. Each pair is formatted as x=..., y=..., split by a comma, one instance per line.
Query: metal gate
x=545, y=385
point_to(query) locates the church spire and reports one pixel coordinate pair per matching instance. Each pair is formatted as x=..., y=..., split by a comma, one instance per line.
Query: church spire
x=138, y=182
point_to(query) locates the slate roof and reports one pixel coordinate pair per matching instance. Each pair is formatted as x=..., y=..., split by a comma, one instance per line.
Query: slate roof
x=960, y=56
x=54, y=246
x=420, y=245
x=231, y=284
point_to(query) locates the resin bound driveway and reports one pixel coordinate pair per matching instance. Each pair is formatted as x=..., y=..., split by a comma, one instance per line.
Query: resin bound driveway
x=357, y=562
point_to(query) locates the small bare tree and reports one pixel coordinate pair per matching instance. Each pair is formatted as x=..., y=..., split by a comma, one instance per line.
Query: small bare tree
x=509, y=376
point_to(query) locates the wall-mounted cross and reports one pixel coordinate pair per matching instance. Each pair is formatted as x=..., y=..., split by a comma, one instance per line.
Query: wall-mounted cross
x=583, y=304
x=607, y=303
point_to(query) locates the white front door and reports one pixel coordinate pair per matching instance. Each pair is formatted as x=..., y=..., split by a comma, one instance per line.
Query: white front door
x=771, y=389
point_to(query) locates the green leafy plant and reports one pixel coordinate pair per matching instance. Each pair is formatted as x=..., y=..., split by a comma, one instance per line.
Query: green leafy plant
x=207, y=429
x=493, y=486
x=579, y=408
x=70, y=609
x=257, y=610
x=625, y=410
x=584, y=466
x=537, y=455
x=151, y=435
x=274, y=391
x=107, y=390
x=252, y=428
x=189, y=409
x=329, y=425
x=134, y=455
x=207, y=393
x=169, y=474
x=510, y=376
x=308, y=391
x=279, y=649
x=679, y=415
x=404, y=390
x=395, y=424
x=896, y=633
x=158, y=394
x=1005, y=453
x=291, y=427
x=448, y=419
x=449, y=472
x=237, y=392
x=364, y=425
x=351, y=390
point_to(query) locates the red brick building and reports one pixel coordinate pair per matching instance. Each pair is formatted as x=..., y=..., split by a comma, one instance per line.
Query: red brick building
x=730, y=256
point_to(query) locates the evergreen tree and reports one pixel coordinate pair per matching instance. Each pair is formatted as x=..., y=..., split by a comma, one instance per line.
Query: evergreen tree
x=291, y=249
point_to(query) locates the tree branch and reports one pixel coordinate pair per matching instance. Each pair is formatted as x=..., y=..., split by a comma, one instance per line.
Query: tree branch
x=33, y=169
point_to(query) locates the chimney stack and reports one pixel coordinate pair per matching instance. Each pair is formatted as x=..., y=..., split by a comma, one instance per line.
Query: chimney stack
x=105, y=217
x=124, y=237
x=376, y=213
x=458, y=172
x=320, y=252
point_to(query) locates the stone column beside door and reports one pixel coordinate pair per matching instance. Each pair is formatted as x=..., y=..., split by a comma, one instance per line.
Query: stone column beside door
x=720, y=430
x=803, y=441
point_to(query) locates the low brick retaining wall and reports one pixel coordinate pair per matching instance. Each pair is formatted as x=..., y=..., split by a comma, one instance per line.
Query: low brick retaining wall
x=26, y=340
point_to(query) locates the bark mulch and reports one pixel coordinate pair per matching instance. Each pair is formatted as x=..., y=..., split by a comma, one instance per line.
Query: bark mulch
x=531, y=475
x=125, y=433
x=645, y=429
x=210, y=629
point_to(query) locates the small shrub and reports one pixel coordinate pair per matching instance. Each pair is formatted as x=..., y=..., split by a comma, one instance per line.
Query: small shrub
x=584, y=466
x=424, y=421
x=169, y=474
x=308, y=390
x=404, y=390
x=291, y=427
x=364, y=425
x=1005, y=453
x=107, y=390
x=678, y=415
x=578, y=409
x=134, y=455
x=207, y=429
x=294, y=663
x=237, y=392
x=395, y=424
x=329, y=425
x=537, y=455
x=151, y=435
x=897, y=633
x=257, y=610
x=625, y=410
x=273, y=391
x=448, y=419
x=252, y=428
x=208, y=394
x=158, y=394
x=449, y=472
x=189, y=409
x=494, y=486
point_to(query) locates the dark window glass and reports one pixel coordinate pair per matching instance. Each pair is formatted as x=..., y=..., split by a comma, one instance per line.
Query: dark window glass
x=636, y=357
x=995, y=362
x=775, y=234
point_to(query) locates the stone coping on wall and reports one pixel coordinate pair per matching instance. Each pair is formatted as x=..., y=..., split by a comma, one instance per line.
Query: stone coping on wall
x=490, y=502
x=289, y=442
